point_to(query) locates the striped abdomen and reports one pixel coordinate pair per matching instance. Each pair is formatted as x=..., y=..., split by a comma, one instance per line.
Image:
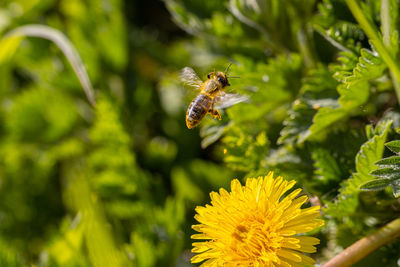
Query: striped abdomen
x=197, y=110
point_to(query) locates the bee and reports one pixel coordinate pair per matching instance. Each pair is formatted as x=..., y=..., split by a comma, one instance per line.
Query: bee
x=211, y=96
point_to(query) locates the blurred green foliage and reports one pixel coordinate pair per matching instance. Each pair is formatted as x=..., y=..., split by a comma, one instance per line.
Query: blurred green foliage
x=116, y=184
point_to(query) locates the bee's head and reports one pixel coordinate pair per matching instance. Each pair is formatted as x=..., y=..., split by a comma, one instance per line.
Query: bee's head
x=220, y=77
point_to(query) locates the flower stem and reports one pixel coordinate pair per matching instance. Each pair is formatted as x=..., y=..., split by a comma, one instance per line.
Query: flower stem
x=366, y=245
x=373, y=36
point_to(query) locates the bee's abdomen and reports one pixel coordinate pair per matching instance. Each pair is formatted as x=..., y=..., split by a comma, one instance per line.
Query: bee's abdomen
x=197, y=110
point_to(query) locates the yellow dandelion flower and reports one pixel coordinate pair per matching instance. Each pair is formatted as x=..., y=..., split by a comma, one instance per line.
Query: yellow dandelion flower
x=254, y=226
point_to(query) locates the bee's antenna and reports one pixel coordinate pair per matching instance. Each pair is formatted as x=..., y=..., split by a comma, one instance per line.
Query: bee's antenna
x=230, y=64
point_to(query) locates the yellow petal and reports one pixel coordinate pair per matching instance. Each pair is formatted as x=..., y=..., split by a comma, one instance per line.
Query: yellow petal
x=308, y=240
x=289, y=254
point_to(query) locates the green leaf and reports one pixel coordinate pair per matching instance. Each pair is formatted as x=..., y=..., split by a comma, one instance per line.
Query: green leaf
x=389, y=171
x=343, y=35
x=394, y=146
x=374, y=185
x=245, y=152
x=325, y=117
x=334, y=23
x=271, y=19
x=369, y=153
x=388, y=161
x=370, y=66
x=326, y=166
x=317, y=92
x=354, y=89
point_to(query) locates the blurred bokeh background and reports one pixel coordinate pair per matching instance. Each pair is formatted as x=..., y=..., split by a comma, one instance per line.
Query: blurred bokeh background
x=116, y=184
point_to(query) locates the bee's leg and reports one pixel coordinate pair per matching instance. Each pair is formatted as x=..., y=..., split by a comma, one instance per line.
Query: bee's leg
x=214, y=113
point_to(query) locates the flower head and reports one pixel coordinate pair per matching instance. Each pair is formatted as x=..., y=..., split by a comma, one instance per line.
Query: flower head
x=254, y=225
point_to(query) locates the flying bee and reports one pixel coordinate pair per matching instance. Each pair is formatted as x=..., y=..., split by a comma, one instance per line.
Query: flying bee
x=211, y=96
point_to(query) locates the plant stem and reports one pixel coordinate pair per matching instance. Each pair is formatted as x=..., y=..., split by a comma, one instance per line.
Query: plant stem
x=366, y=245
x=386, y=33
x=373, y=36
x=385, y=21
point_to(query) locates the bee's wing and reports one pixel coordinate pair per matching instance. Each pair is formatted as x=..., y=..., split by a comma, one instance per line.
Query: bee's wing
x=225, y=100
x=189, y=77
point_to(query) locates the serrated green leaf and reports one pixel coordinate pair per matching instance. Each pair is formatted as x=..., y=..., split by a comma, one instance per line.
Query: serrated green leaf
x=343, y=34
x=390, y=169
x=375, y=185
x=369, y=153
x=388, y=173
x=369, y=66
x=354, y=90
x=394, y=146
x=394, y=160
x=372, y=150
